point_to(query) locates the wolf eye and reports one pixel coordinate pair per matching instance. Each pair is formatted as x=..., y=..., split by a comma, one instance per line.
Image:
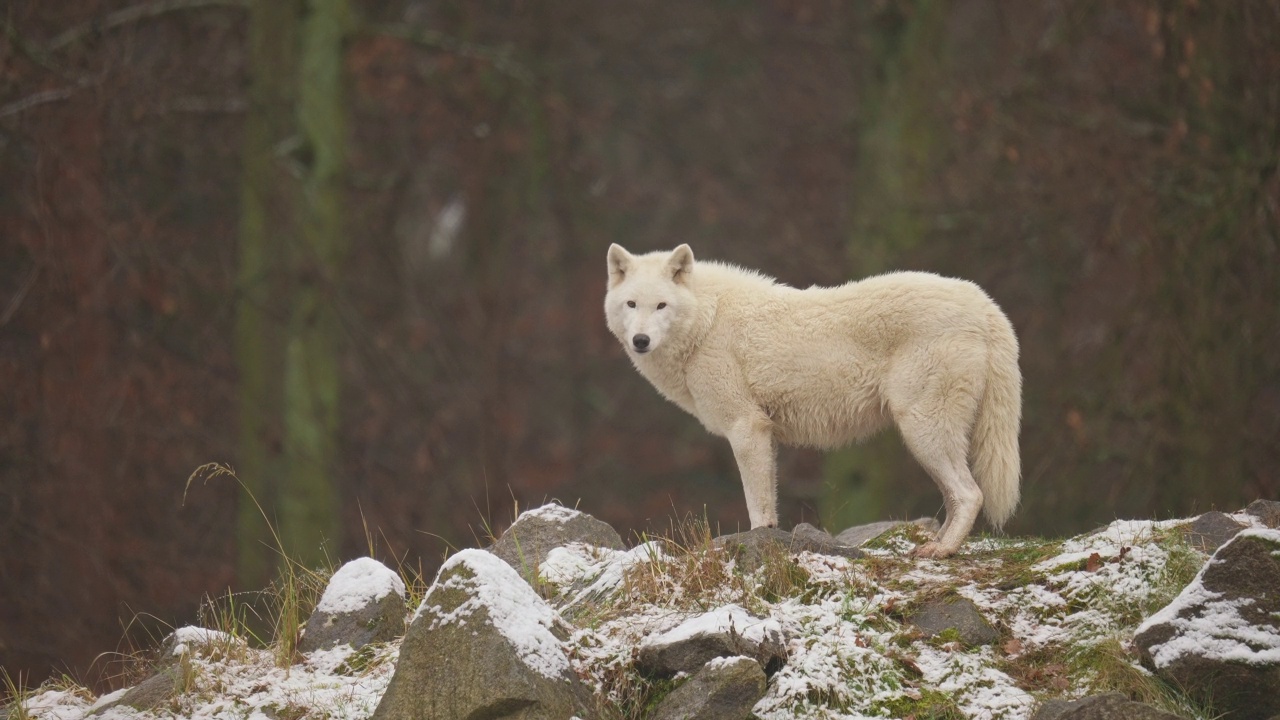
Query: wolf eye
x=631, y=303
x=661, y=305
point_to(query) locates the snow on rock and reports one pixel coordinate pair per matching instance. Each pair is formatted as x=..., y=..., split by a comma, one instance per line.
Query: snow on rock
x=535, y=533
x=596, y=571
x=730, y=619
x=359, y=583
x=1219, y=639
x=552, y=512
x=189, y=637
x=727, y=630
x=510, y=605
x=1211, y=624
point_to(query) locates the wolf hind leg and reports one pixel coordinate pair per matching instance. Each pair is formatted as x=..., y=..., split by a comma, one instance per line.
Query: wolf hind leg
x=753, y=448
x=935, y=428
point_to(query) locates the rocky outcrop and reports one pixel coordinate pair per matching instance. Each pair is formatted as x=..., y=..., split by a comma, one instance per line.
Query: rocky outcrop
x=363, y=603
x=861, y=534
x=724, y=632
x=723, y=689
x=1220, y=638
x=482, y=644
x=957, y=615
x=524, y=546
x=1113, y=706
x=751, y=549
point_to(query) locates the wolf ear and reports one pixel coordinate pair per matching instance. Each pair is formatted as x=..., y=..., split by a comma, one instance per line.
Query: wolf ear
x=619, y=262
x=680, y=264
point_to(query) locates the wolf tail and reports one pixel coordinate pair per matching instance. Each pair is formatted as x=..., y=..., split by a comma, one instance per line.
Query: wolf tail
x=993, y=449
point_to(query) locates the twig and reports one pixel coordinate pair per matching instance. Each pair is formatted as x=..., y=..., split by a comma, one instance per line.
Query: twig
x=43, y=97
x=500, y=59
x=132, y=14
x=21, y=295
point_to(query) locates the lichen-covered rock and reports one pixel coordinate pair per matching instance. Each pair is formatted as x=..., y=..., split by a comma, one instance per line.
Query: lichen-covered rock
x=482, y=644
x=751, y=549
x=1268, y=511
x=159, y=688
x=1220, y=638
x=524, y=546
x=724, y=632
x=363, y=603
x=958, y=614
x=1210, y=531
x=723, y=689
x=1112, y=706
x=861, y=534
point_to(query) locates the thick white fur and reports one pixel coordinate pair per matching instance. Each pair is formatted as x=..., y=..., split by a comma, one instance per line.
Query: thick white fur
x=760, y=363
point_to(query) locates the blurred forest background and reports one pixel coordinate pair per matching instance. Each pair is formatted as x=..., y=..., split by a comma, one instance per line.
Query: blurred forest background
x=356, y=251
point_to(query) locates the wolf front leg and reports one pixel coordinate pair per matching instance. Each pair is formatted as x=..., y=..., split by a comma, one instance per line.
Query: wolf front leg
x=752, y=441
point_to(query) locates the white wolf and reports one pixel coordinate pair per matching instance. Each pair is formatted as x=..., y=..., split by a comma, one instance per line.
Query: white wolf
x=760, y=363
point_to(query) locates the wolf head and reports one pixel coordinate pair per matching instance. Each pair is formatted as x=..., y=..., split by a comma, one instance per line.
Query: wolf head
x=649, y=297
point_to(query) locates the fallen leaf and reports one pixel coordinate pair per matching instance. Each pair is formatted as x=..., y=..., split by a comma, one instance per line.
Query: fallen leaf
x=1094, y=562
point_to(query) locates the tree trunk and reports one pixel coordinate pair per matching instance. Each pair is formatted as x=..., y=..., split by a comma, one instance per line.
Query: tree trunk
x=308, y=502
x=266, y=202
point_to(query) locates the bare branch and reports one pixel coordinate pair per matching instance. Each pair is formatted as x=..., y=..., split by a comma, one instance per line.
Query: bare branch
x=132, y=14
x=21, y=295
x=499, y=58
x=41, y=98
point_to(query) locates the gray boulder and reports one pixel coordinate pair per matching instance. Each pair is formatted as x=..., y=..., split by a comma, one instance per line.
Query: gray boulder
x=1268, y=511
x=536, y=532
x=482, y=644
x=938, y=616
x=809, y=533
x=1219, y=639
x=1112, y=706
x=723, y=689
x=1209, y=531
x=363, y=603
x=751, y=549
x=158, y=689
x=861, y=534
x=724, y=632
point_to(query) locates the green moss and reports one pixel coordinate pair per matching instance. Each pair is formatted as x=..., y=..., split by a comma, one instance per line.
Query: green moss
x=360, y=661
x=929, y=705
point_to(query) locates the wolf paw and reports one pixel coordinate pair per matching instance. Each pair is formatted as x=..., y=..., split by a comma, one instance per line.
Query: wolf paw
x=932, y=550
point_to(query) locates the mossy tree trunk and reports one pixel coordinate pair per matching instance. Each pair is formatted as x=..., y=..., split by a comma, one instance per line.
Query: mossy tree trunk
x=308, y=503
x=266, y=204
x=291, y=248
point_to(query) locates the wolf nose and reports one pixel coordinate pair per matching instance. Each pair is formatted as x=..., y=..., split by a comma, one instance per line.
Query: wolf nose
x=641, y=342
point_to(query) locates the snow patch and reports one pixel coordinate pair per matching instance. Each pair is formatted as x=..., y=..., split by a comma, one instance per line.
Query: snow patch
x=358, y=584
x=981, y=691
